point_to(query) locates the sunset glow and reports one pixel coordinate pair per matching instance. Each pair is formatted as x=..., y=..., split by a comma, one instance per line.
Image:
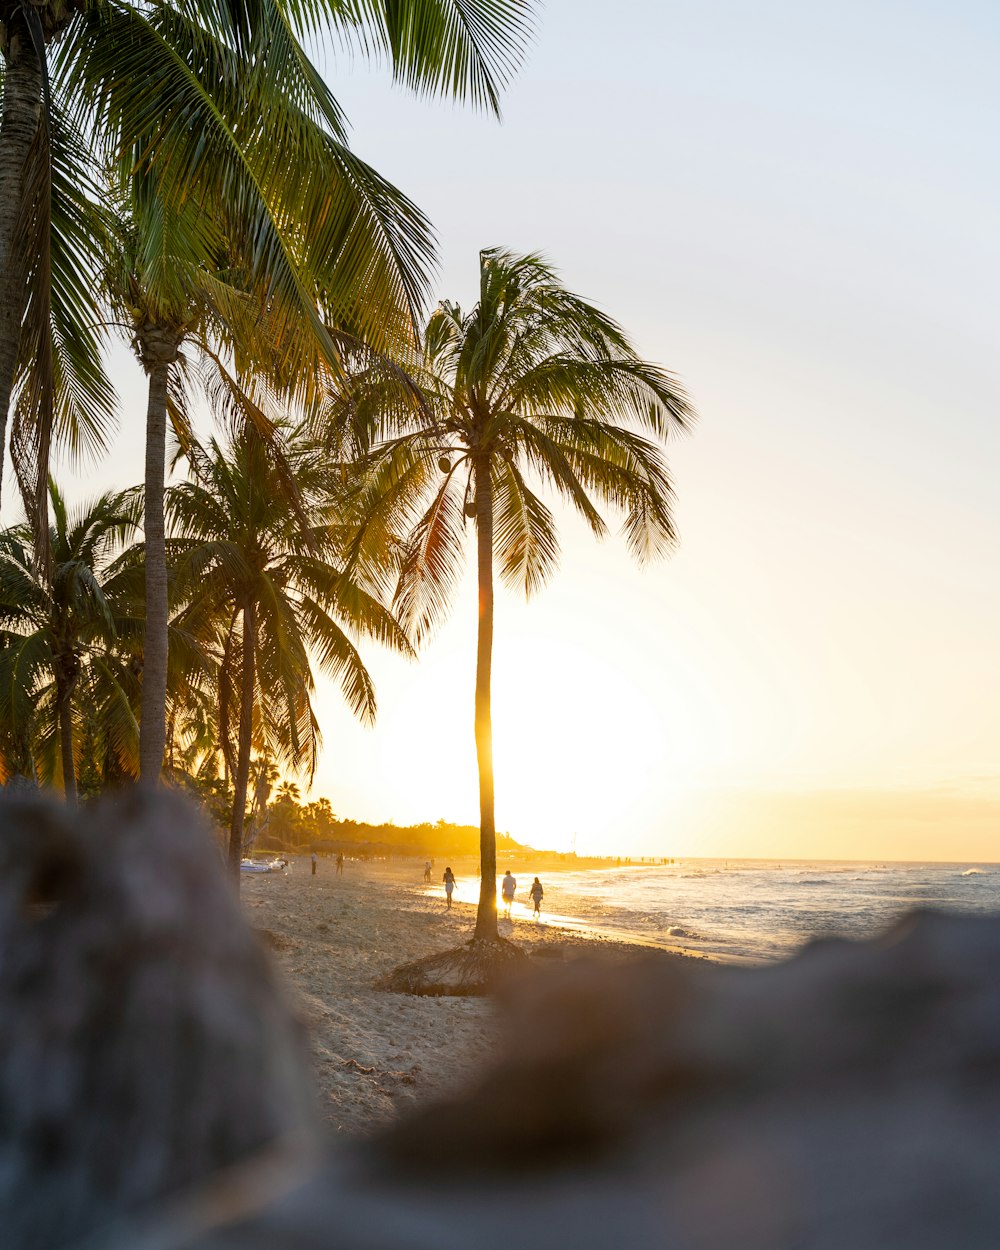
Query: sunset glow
x=815, y=670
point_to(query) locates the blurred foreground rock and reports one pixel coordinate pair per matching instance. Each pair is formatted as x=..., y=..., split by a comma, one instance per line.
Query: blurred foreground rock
x=848, y=1099
x=143, y=1044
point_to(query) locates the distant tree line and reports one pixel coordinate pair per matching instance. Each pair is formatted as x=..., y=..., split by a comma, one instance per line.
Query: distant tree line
x=290, y=825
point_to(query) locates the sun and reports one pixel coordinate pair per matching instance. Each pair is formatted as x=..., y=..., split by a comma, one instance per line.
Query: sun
x=575, y=740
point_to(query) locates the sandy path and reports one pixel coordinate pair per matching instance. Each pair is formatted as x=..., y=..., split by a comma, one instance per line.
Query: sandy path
x=374, y=1052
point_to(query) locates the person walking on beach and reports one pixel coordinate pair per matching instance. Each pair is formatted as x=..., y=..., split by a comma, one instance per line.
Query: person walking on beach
x=427, y=870
x=507, y=888
x=536, y=893
x=449, y=885
x=315, y=861
x=340, y=863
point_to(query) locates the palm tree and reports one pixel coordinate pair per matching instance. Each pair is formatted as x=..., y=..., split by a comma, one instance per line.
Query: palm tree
x=225, y=101
x=168, y=286
x=533, y=387
x=52, y=335
x=258, y=563
x=203, y=327
x=57, y=627
x=363, y=236
x=207, y=117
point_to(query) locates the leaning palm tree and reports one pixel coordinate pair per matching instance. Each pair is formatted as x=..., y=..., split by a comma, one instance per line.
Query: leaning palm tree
x=534, y=387
x=57, y=626
x=258, y=562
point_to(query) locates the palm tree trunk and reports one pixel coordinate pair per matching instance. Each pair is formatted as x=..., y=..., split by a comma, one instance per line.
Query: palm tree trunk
x=248, y=686
x=152, y=723
x=486, y=916
x=64, y=701
x=22, y=110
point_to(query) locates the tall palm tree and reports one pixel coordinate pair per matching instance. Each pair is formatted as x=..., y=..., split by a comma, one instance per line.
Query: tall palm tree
x=57, y=625
x=534, y=387
x=365, y=235
x=260, y=566
x=198, y=93
x=167, y=280
x=202, y=320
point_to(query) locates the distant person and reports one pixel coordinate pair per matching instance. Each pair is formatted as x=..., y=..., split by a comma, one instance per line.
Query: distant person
x=449, y=885
x=315, y=861
x=340, y=863
x=427, y=870
x=536, y=893
x=507, y=888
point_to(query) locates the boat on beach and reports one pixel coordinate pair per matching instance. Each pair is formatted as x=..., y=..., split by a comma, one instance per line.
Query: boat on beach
x=263, y=865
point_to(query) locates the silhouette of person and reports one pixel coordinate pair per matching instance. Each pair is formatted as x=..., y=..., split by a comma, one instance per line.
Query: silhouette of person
x=340, y=863
x=536, y=893
x=449, y=885
x=315, y=861
x=507, y=888
x=427, y=870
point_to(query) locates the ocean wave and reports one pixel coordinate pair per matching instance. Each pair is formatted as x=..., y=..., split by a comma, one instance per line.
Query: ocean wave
x=767, y=913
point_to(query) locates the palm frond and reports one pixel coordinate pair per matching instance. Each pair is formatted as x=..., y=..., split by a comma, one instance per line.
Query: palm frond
x=468, y=49
x=431, y=562
x=545, y=389
x=524, y=536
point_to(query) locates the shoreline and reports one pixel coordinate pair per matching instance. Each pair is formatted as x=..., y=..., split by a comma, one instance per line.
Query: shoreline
x=576, y=926
x=373, y=1052
x=590, y=933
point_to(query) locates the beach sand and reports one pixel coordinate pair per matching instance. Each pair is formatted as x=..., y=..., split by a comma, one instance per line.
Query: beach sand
x=375, y=1053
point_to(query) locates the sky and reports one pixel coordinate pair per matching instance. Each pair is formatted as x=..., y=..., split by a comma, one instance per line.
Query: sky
x=793, y=208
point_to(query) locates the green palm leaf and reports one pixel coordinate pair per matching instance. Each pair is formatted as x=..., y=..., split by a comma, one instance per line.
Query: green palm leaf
x=252, y=556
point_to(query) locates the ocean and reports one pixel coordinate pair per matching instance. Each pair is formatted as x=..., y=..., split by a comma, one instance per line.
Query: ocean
x=757, y=909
